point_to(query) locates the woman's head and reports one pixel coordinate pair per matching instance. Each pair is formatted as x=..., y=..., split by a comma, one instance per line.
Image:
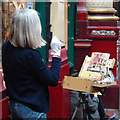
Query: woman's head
x=25, y=29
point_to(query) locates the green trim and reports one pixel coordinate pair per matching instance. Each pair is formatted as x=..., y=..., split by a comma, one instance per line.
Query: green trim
x=70, y=52
x=41, y=8
x=70, y=64
x=118, y=8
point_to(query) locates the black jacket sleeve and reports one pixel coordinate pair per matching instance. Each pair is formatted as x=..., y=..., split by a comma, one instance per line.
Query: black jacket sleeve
x=40, y=70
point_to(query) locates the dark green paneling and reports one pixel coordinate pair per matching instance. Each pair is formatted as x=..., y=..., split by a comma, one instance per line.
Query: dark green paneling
x=41, y=8
x=118, y=8
x=70, y=52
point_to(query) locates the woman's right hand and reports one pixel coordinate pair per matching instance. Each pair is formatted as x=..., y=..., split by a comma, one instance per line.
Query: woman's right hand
x=56, y=47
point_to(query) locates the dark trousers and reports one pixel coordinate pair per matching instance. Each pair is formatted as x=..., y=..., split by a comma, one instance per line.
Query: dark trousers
x=101, y=109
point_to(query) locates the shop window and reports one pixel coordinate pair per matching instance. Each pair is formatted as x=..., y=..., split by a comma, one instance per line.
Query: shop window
x=59, y=21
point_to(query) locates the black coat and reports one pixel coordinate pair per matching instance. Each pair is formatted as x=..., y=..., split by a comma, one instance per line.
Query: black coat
x=26, y=76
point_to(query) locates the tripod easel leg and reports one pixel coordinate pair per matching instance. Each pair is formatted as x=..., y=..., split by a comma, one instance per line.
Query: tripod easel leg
x=73, y=116
x=80, y=102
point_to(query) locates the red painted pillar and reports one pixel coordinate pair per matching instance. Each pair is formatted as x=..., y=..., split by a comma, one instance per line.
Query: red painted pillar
x=82, y=44
x=97, y=32
x=59, y=97
x=103, y=30
x=4, y=109
x=101, y=42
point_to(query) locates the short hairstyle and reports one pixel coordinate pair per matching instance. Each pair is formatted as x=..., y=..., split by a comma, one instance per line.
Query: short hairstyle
x=25, y=29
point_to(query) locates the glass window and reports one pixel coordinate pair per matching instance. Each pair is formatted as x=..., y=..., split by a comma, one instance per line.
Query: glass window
x=59, y=21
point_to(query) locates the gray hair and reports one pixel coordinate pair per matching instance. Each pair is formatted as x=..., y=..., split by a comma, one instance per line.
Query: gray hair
x=25, y=29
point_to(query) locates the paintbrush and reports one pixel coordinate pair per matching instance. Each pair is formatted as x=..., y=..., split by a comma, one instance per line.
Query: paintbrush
x=51, y=38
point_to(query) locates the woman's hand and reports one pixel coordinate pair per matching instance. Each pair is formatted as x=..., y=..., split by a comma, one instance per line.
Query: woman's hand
x=56, y=47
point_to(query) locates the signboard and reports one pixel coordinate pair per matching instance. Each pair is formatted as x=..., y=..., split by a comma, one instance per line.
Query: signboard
x=103, y=32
